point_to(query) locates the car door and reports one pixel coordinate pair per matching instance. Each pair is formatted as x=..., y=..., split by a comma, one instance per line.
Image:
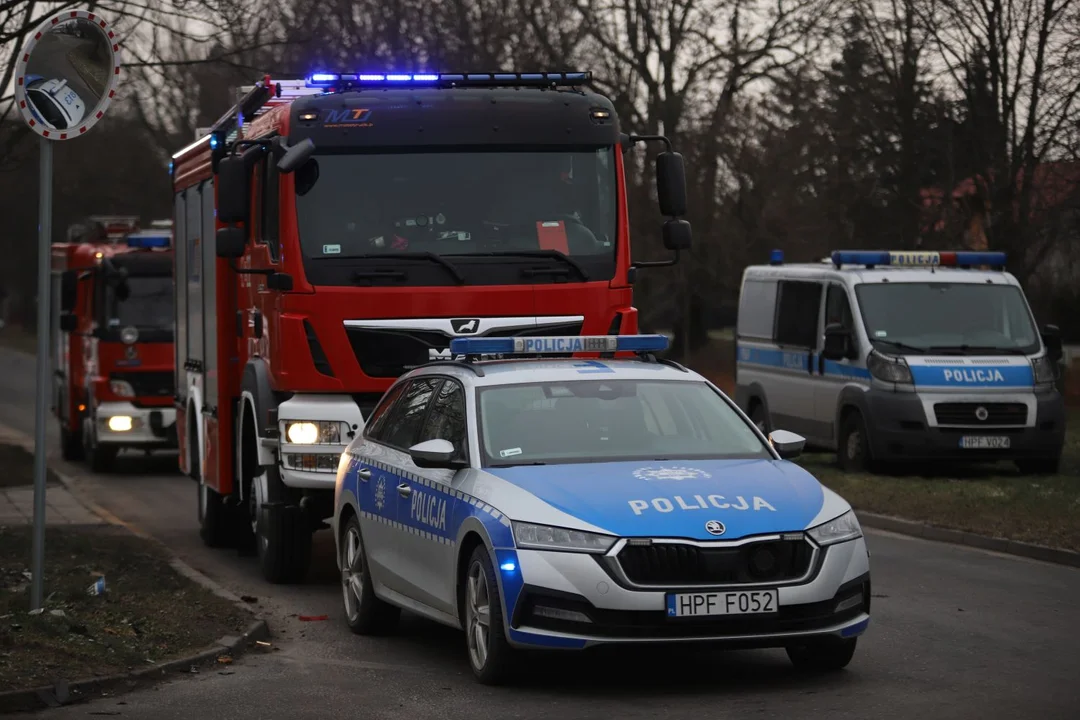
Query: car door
x=791, y=391
x=833, y=375
x=395, y=480
x=427, y=550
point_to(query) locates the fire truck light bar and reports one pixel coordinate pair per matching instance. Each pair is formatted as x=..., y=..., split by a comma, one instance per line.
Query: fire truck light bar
x=917, y=259
x=148, y=240
x=558, y=345
x=383, y=80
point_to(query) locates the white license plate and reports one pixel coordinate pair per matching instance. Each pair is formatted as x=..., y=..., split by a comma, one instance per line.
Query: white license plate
x=743, y=602
x=981, y=442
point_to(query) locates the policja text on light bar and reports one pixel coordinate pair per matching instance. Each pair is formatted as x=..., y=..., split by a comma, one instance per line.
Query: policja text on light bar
x=907, y=258
x=558, y=345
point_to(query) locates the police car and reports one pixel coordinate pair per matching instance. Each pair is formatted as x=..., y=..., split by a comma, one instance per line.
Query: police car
x=887, y=356
x=54, y=102
x=561, y=503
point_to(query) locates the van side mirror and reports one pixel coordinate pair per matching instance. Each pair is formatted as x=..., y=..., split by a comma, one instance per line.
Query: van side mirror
x=296, y=155
x=1051, y=337
x=435, y=454
x=671, y=184
x=233, y=201
x=68, y=322
x=229, y=242
x=837, y=342
x=69, y=286
x=677, y=235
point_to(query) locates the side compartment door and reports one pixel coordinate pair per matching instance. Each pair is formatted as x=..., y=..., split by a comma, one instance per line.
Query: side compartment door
x=833, y=375
x=791, y=392
x=180, y=269
x=428, y=553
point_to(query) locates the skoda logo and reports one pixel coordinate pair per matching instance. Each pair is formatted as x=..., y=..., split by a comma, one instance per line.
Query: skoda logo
x=981, y=413
x=715, y=527
x=465, y=326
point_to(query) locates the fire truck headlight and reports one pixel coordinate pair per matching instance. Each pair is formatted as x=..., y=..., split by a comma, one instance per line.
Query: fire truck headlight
x=120, y=423
x=122, y=388
x=312, y=432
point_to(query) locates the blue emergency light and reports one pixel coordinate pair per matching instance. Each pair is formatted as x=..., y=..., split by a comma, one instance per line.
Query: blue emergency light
x=148, y=240
x=917, y=258
x=558, y=345
x=499, y=79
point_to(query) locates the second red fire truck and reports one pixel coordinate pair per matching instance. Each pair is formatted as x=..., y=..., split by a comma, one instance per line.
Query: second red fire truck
x=334, y=232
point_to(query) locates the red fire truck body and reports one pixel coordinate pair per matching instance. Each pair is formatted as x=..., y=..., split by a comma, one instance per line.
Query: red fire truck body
x=113, y=347
x=344, y=235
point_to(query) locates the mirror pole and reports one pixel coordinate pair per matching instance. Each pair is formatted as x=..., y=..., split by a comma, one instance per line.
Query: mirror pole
x=45, y=188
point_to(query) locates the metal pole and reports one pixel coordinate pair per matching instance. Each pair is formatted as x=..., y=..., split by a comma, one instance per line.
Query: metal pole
x=41, y=408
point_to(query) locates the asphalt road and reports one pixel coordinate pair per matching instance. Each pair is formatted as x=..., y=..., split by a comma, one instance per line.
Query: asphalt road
x=956, y=633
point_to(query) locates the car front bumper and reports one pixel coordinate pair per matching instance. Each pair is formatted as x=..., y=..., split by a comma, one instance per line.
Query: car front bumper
x=151, y=427
x=834, y=601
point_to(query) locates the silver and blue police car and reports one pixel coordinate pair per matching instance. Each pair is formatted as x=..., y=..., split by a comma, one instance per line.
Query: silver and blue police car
x=561, y=503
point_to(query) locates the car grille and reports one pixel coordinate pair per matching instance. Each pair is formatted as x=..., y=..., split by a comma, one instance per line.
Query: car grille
x=966, y=413
x=674, y=565
x=152, y=383
x=388, y=353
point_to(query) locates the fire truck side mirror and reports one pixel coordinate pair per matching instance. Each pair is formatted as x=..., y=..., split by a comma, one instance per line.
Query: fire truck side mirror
x=229, y=242
x=69, y=286
x=671, y=184
x=232, y=190
x=677, y=235
x=295, y=156
x=68, y=322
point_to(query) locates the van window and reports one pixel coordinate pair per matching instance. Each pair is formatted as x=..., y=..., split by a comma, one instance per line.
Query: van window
x=838, y=308
x=797, y=315
x=757, y=309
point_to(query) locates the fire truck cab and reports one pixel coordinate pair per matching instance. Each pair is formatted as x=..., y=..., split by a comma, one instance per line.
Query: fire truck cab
x=335, y=232
x=112, y=346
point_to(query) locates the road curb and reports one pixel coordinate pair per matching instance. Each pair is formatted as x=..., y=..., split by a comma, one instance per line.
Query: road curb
x=1005, y=546
x=64, y=693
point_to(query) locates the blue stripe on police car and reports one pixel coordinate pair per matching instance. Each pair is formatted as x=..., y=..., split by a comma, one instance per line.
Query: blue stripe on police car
x=678, y=498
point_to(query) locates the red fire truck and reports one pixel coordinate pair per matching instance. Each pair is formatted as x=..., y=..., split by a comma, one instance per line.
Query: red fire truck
x=336, y=231
x=112, y=342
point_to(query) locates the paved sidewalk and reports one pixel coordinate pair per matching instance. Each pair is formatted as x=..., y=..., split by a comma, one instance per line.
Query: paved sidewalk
x=61, y=507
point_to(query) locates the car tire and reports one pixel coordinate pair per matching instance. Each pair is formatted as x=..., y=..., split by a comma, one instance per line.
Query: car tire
x=491, y=657
x=365, y=613
x=1039, y=466
x=822, y=655
x=853, y=445
x=759, y=417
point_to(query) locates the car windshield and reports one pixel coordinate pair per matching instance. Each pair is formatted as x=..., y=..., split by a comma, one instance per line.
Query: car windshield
x=48, y=108
x=149, y=304
x=943, y=317
x=611, y=420
x=457, y=204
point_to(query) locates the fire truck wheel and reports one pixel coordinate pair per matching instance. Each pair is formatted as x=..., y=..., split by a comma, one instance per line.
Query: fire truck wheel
x=215, y=520
x=71, y=447
x=283, y=540
x=100, y=458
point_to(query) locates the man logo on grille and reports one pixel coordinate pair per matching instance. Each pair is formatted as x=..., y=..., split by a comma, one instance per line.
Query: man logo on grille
x=465, y=326
x=715, y=527
x=981, y=414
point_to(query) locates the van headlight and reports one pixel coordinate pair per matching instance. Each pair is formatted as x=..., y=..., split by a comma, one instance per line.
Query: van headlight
x=1044, y=373
x=841, y=529
x=888, y=369
x=546, y=537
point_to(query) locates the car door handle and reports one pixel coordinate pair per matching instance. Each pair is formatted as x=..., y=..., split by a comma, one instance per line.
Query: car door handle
x=404, y=490
x=364, y=474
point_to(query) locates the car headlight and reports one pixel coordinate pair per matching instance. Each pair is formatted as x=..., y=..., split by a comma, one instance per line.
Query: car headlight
x=312, y=432
x=841, y=529
x=1043, y=370
x=545, y=537
x=888, y=369
x=122, y=388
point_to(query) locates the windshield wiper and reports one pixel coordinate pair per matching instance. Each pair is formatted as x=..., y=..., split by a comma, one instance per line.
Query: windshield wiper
x=523, y=464
x=901, y=345
x=430, y=256
x=976, y=349
x=553, y=254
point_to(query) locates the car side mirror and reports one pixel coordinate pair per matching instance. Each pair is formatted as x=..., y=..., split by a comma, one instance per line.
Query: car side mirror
x=671, y=184
x=229, y=242
x=837, y=342
x=1051, y=337
x=788, y=445
x=677, y=235
x=435, y=454
x=68, y=322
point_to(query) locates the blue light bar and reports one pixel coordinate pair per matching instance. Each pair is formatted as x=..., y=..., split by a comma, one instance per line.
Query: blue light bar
x=558, y=345
x=148, y=240
x=776, y=257
x=917, y=258
x=499, y=79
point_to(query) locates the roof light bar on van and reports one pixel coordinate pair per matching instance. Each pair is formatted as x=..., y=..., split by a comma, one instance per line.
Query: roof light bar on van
x=498, y=79
x=908, y=258
x=149, y=240
x=558, y=345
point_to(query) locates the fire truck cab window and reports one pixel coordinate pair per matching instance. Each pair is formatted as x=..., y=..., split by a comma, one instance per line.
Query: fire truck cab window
x=149, y=304
x=460, y=203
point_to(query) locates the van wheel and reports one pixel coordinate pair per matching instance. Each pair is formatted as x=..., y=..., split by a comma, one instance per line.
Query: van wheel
x=1039, y=466
x=853, y=451
x=491, y=656
x=823, y=655
x=759, y=417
